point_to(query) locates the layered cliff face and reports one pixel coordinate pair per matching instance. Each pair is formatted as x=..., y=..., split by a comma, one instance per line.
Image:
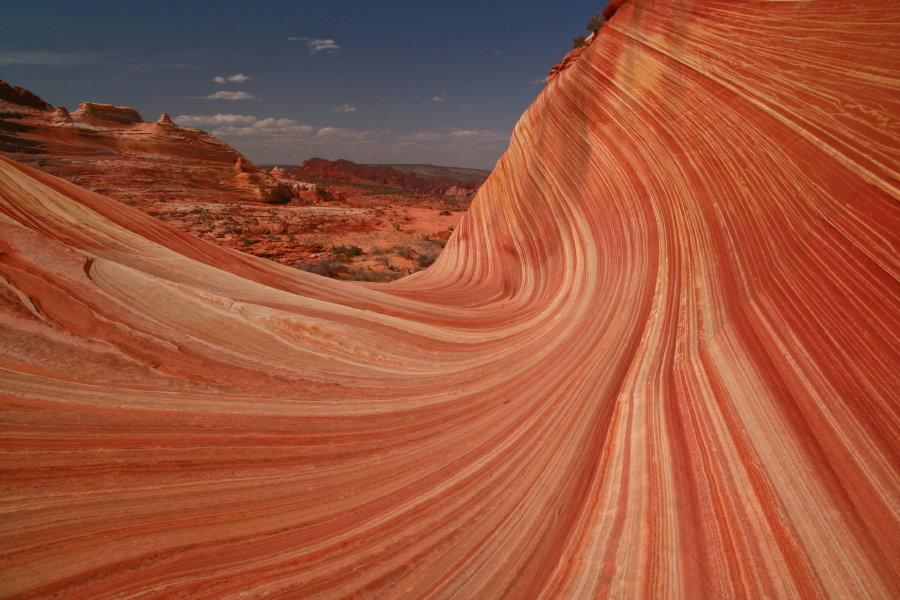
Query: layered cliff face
x=658, y=358
x=21, y=97
x=110, y=149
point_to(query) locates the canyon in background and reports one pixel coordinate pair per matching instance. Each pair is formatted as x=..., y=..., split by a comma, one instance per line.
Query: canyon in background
x=333, y=218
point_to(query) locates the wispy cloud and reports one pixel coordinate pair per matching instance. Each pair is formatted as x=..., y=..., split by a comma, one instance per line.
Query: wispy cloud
x=317, y=45
x=214, y=120
x=226, y=95
x=278, y=140
x=288, y=130
x=439, y=98
x=541, y=81
x=473, y=137
x=345, y=108
x=45, y=58
x=236, y=78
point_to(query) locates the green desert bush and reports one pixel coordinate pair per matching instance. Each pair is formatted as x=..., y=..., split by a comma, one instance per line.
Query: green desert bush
x=362, y=274
x=346, y=253
x=595, y=22
x=403, y=252
x=325, y=267
x=425, y=260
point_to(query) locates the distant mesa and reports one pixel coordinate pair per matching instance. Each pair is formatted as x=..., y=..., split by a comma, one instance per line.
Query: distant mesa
x=108, y=112
x=419, y=178
x=434, y=171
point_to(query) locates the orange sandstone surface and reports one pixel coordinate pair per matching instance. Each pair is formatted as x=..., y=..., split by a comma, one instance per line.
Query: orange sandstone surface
x=657, y=359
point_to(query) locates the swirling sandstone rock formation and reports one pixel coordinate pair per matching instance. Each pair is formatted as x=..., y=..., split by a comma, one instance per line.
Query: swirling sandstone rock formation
x=659, y=358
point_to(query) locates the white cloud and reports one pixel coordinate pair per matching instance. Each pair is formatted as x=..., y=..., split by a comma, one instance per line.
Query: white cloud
x=271, y=123
x=236, y=78
x=278, y=140
x=345, y=108
x=320, y=45
x=479, y=135
x=43, y=58
x=317, y=45
x=214, y=120
x=225, y=95
x=289, y=130
x=266, y=129
x=351, y=135
x=440, y=98
x=472, y=137
x=541, y=81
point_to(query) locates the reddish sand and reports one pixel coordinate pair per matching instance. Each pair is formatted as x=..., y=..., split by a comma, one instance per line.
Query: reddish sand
x=395, y=234
x=657, y=359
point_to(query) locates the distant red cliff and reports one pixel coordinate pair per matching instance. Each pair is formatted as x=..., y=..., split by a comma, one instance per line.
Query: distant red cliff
x=351, y=172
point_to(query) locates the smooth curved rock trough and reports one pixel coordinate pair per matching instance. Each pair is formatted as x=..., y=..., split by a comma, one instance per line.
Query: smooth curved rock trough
x=659, y=358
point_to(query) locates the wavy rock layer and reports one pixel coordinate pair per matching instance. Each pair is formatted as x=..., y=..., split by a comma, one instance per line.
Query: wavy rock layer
x=659, y=358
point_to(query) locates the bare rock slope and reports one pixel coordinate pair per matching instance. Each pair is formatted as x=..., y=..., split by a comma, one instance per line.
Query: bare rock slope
x=658, y=358
x=112, y=150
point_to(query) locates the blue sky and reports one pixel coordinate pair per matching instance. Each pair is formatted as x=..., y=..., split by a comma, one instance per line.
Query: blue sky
x=393, y=82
